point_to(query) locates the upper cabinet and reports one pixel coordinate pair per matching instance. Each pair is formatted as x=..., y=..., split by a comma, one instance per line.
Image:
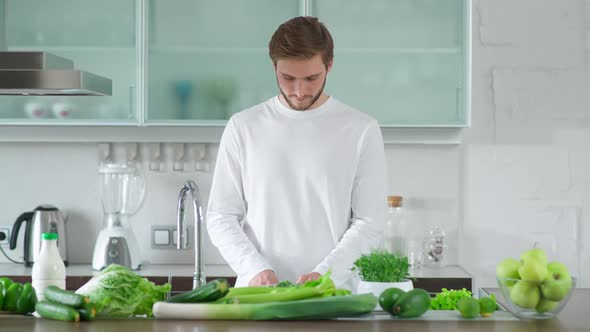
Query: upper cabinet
x=208, y=59
x=194, y=63
x=98, y=36
x=403, y=61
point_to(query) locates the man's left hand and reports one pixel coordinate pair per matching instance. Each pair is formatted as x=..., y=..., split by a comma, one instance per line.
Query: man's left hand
x=307, y=277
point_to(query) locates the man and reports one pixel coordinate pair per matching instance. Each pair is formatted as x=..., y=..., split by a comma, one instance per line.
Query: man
x=299, y=183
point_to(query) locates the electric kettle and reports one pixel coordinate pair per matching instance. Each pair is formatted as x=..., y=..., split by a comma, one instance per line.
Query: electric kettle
x=44, y=219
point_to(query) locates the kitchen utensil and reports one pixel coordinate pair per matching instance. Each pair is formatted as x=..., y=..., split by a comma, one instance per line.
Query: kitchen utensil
x=43, y=219
x=122, y=189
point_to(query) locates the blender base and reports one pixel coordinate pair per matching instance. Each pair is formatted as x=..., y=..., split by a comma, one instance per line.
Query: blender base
x=115, y=246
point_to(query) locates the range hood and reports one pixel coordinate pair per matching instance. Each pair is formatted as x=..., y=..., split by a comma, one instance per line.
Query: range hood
x=42, y=73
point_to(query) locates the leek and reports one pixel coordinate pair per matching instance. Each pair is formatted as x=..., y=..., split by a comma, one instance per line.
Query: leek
x=318, y=308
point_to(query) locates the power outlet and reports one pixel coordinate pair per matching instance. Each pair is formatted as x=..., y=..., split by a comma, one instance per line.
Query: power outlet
x=5, y=234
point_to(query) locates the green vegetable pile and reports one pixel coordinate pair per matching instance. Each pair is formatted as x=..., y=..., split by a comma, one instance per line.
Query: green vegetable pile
x=119, y=292
x=382, y=266
x=16, y=297
x=316, y=299
x=283, y=292
x=60, y=304
x=448, y=299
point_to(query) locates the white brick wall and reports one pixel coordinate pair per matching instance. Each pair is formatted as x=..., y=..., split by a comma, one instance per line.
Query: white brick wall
x=527, y=155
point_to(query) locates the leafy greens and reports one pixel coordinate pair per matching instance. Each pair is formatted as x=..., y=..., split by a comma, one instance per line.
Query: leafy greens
x=447, y=299
x=119, y=292
x=382, y=266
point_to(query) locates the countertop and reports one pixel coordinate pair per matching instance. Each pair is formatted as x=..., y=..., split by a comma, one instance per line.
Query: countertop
x=574, y=317
x=152, y=270
x=221, y=270
x=180, y=275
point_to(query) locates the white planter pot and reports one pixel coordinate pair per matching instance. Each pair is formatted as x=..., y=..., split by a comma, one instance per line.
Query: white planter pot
x=376, y=288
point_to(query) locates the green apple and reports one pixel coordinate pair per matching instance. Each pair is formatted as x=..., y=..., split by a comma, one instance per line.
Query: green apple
x=546, y=305
x=533, y=270
x=558, y=282
x=534, y=254
x=508, y=268
x=558, y=271
x=525, y=294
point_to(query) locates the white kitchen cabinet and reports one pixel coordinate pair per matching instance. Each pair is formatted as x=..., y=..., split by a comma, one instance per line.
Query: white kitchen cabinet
x=99, y=36
x=181, y=68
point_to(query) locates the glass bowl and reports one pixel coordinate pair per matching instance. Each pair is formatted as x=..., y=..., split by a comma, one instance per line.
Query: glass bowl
x=536, y=299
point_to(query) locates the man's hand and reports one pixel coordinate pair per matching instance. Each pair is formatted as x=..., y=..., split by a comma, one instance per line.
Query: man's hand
x=266, y=277
x=307, y=277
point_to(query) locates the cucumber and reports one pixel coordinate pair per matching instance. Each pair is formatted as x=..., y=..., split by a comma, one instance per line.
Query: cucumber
x=210, y=291
x=57, y=311
x=27, y=300
x=12, y=295
x=412, y=304
x=87, y=312
x=58, y=295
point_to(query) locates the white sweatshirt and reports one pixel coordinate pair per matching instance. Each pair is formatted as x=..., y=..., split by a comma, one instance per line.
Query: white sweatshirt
x=298, y=191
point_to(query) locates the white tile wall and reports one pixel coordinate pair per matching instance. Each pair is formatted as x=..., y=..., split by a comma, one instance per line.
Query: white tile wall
x=522, y=174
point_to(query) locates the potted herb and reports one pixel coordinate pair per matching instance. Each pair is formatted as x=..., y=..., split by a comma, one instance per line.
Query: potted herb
x=381, y=270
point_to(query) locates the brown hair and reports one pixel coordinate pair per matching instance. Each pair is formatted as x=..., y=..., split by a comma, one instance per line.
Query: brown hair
x=301, y=37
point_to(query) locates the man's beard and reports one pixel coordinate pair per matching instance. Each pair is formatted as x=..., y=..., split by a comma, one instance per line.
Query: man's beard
x=313, y=99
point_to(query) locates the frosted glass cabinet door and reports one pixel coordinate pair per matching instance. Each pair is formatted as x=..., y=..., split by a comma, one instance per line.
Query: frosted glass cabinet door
x=209, y=59
x=402, y=61
x=98, y=36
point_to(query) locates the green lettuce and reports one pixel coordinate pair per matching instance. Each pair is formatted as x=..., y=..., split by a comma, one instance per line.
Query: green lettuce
x=119, y=292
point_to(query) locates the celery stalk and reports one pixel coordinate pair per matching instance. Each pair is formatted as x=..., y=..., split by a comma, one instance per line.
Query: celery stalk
x=322, y=287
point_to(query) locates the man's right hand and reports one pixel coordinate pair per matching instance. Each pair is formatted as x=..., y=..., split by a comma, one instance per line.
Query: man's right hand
x=266, y=277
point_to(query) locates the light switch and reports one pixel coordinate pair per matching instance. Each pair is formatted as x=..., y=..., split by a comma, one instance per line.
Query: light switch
x=186, y=235
x=162, y=237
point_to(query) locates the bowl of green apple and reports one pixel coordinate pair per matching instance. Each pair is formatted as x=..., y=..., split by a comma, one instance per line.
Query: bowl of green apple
x=532, y=287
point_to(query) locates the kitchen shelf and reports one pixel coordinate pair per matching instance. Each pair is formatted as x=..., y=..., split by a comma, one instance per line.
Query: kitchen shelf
x=187, y=133
x=400, y=50
x=58, y=49
x=264, y=50
x=206, y=50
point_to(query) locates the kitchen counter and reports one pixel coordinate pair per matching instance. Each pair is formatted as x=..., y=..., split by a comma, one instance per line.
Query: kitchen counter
x=152, y=270
x=429, y=278
x=573, y=318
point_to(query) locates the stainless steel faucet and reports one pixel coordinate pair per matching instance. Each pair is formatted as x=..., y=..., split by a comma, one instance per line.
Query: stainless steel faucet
x=181, y=243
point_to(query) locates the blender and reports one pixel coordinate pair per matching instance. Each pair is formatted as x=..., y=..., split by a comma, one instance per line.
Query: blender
x=122, y=188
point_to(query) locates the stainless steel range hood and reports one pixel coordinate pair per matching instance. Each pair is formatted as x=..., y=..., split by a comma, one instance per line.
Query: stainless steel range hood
x=42, y=73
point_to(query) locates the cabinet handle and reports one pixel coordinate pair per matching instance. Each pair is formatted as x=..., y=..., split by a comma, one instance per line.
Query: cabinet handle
x=458, y=104
x=131, y=100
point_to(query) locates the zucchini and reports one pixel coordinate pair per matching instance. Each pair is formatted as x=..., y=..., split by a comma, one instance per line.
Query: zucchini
x=57, y=311
x=87, y=312
x=58, y=295
x=1, y=296
x=27, y=300
x=210, y=291
x=12, y=295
